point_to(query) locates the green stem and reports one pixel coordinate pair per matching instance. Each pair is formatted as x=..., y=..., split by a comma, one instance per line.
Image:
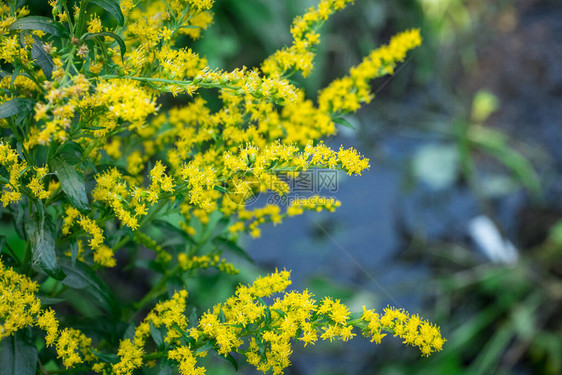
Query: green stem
x=84, y=370
x=156, y=291
x=153, y=356
x=26, y=264
x=81, y=16
x=208, y=85
x=68, y=16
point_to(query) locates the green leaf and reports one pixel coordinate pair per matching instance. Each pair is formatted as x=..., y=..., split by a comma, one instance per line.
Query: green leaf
x=71, y=182
x=74, y=249
x=41, y=57
x=205, y=348
x=81, y=276
x=161, y=224
x=232, y=361
x=232, y=246
x=41, y=234
x=495, y=143
x=17, y=356
x=39, y=23
x=156, y=335
x=15, y=106
x=193, y=321
x=166, y=369
x=112, y=6
x=49, y=300
x=343, y=122
x=71, y=152
x=106, y=357
x=117, y=38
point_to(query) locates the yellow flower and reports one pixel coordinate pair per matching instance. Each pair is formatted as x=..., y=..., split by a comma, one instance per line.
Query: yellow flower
x=49, y=323
x=94, y=25
x=346, y=94
x=187, y=361
x=19, y=304
x=130, y=358
x=70, y=344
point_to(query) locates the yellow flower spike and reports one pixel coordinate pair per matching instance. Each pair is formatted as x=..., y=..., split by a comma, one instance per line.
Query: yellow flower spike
x=71, y=343
x=19, y=304
x=49, y=323
x=298, y=312
x=130, y=358
x=346, y=94
x=187, y=361
x=299, y=56
x=10, y=160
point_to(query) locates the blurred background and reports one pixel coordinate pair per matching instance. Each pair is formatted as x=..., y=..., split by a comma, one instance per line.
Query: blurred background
x=459, y=217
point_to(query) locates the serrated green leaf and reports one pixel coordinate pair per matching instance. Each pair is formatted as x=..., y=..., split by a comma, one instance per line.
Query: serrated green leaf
x=17, y=356
x=343, y=122
x=15, y=106
x=41, y=234
x=72, y=183
x=232, y=246
x=117, y=38
x=39, y=23
x=112, y=6
x=81, y=276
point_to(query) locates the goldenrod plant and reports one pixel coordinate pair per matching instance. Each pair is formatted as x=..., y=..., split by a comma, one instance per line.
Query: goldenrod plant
x=92, y=168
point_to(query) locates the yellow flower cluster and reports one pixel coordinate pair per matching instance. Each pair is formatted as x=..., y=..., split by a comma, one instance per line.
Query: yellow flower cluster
x=127, y=200
x=125, y=100
x=70, y=343
x=18, y=171
x=346, y=94
x=250, y=219
x=24, y=86
x=205, y=261
x=96, y=100
x=187, y=361
x=169, y=314
x=159, y=24
x=6, y=18
x=21, y=308
x=316, y=203
x=412, y=329
x=10, y=160
x=130, y=358
x=49, y=323
x=299, y=56
x=102, y=254
x=54, y=118
x=19, y=304
x=296, y=316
